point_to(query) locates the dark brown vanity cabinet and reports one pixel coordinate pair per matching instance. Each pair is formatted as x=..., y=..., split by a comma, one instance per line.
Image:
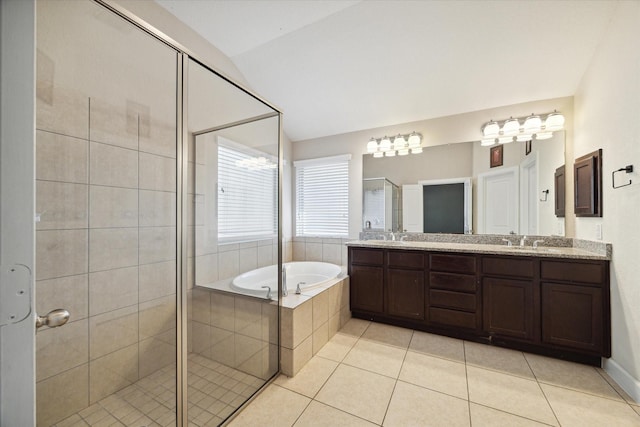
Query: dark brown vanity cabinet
x=575, y=305
x=405, y=284
x=366, y=280
x=453, y=291
x=553, y=306
x=508, y=297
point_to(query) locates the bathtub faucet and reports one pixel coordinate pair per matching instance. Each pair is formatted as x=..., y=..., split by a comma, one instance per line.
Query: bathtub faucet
x=298, y=290
x=284, y=281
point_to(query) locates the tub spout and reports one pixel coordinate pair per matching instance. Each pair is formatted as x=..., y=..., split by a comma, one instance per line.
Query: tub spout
x=268, y=288
x=284, y=281
x=298, y=290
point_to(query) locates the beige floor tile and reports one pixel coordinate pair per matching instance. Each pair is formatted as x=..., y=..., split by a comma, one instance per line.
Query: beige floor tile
x=571, y=375
x=310, y=378
x=355, y=327
x=387, y=334
x=498, y=359
x=358, y=392
x=617, y=387
x=584, y=410
x=481, y=416
x=337, y=347
x=434, y=373
x=415, y=406
x=275, y=406
x=636, y=408
x=437, y=345
x=509, y=393
x=379, y=358
x=320, y=415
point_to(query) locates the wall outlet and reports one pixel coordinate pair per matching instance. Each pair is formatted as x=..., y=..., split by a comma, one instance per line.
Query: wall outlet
x=599, y=231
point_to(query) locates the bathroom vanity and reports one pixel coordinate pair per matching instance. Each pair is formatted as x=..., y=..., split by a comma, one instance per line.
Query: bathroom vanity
x=552, y=301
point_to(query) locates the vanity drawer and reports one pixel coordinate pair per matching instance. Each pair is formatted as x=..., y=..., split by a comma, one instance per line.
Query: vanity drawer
x=453, y=263
x=450, y=299
x=452, y=282
x=366, y=256
x=503, y=266
x=405, y=259
x=569, y=271
x=460, y=319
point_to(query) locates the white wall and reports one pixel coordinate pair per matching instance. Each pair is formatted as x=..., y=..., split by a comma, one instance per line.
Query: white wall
x=444, y=130
x=607, y=109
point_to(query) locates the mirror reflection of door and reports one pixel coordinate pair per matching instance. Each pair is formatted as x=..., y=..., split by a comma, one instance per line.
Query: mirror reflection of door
x=529, y=196
x=498, y=202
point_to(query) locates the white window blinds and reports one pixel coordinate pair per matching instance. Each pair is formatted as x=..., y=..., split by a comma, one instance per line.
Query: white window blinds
x=247, y=193
x=322, y=197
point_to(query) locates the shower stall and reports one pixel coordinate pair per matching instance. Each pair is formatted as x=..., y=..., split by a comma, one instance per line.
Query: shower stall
x=157, y=182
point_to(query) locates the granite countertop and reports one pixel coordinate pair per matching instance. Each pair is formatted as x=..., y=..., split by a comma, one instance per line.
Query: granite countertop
x=541, y=251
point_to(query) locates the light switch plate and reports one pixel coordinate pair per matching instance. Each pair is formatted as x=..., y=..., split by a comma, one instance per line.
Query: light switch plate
x=599, y=231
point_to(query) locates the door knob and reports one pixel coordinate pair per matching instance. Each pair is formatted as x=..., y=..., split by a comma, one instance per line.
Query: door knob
x=54, y=318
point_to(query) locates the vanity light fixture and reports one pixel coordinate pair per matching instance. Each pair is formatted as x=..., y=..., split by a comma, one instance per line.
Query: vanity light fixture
x=521, y=129
x=402, y=145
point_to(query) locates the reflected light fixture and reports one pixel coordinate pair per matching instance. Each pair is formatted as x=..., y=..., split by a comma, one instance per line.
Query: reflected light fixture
x=533, y=127
x=402, y=145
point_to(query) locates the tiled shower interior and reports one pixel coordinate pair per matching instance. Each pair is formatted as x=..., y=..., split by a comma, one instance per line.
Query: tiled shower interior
x=106, y=200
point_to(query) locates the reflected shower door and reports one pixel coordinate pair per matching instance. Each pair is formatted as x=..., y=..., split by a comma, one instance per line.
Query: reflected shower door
x=233, y=227
x=106, y=150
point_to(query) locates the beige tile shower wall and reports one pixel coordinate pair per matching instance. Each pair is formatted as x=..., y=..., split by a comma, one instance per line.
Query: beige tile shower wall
x=237, y=331
x=318, y=249
x=106, y=197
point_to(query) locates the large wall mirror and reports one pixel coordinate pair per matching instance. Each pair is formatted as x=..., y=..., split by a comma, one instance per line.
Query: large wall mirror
x=517, y=196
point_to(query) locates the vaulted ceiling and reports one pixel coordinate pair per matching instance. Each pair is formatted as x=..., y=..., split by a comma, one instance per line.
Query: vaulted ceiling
x=342, y=66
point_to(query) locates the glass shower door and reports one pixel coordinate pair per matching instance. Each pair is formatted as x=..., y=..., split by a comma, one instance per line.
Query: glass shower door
x=233, y=228
x=106, y=199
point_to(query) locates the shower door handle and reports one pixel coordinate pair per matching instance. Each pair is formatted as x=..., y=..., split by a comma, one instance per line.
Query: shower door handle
x=54, y=318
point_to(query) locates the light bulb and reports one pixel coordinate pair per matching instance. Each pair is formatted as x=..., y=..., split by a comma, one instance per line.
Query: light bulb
x=399, y=142
x=378, y=154
x=372, y=146
x=524, y=137
x=385, y=144
x=532, y=124
x=511, y=127
x=491, y=130
x=555, y=121
x=485, y=142
x=390, y=153
x=414, y=140
x=416, y=150
x=543, y=135
x=403, y=152
x=505, y=139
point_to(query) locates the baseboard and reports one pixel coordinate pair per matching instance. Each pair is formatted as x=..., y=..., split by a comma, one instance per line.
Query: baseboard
x=625, y=380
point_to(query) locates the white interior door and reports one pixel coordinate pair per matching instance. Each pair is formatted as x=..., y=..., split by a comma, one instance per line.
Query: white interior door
x=17, y=255
x=498, y=201
x=529, y=202
x=412, y=208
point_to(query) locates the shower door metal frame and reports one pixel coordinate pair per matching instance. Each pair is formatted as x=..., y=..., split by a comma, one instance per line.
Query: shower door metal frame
x=182, y=159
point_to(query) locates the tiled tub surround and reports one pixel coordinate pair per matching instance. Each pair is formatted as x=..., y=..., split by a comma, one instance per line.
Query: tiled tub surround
x=310, y=320
x=551, y=246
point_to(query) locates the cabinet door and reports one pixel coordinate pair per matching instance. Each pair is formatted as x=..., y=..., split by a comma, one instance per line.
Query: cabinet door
x=367, y=288
x=406, y=293
x=572, y=316
x=508, y=307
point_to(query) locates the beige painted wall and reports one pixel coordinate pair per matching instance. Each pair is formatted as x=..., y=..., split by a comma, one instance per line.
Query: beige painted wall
x=607, y=107
x=440, y=131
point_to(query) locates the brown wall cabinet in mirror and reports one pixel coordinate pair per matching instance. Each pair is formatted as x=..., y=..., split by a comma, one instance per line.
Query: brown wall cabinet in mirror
x=559, y=182
x=587, y=175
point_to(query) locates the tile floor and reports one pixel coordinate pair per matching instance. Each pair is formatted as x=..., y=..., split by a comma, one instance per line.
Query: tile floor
x=215, y=391
x=371, y=374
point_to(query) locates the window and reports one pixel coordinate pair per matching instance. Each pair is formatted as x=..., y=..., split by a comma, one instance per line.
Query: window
x=247, y=191
x=322, y=197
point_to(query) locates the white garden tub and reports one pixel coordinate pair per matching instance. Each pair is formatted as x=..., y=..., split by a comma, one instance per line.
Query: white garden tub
x=308, y=274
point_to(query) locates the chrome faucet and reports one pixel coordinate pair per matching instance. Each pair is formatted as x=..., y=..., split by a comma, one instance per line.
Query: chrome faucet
x=523, y=240
x=508, y=242
x=284, y=281
x=298, y=290
x=536, y=242
x=393, y=236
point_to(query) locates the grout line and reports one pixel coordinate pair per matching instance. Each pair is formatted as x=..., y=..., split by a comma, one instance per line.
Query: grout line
x=541, y=390
x=466, y=376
